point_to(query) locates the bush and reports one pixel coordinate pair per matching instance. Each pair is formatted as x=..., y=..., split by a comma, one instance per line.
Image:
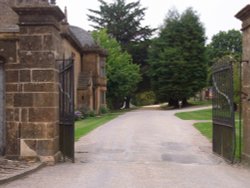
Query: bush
x=91, y=113
x=78, y=115
x=103, y=110
x=144, y=98
x=86, y=112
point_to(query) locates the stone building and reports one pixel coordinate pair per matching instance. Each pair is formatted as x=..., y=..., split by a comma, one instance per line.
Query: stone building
x=244, y=16
x=90, y=79
x=33, y=36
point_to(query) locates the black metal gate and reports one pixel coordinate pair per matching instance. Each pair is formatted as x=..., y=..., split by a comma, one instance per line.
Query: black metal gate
x=66, y=108
x=223, y=110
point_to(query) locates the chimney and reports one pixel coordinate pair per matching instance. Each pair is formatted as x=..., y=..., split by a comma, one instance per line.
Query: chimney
x=66, y=14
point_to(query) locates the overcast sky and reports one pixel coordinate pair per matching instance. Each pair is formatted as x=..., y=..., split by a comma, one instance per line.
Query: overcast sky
x=216, y=15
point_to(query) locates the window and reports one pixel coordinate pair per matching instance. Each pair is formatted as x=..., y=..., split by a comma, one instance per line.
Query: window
x=102, y=68
x=103, y=97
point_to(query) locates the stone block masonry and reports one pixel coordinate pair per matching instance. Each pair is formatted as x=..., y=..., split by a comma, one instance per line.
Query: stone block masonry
x=244, y=16
x=34, y=38
x=32, y=93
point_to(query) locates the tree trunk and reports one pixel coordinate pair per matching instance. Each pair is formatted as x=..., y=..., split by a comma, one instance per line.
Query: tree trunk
x=127, y=102
x=116, y=104
x=184, y=102
x=173, y=102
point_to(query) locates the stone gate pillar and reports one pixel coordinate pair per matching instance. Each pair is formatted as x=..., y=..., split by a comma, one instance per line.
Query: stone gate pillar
x=2, y=107
x=33, y=102
x=244, y=16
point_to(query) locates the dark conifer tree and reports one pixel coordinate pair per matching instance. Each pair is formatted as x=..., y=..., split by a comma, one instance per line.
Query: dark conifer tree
x=177, y=57
x=123, y=21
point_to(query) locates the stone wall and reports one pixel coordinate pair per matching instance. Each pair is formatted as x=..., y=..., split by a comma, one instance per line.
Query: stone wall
x=69, y=51
x=89, y=62
x=32, y=106
x=8, y=46
x=92, y=62
x=2, y=108
x=244, y=16
x=32, y=38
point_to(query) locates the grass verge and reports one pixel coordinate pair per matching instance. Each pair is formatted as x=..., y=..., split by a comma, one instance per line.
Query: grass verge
x=200, y=103
x=85, y=126
x=196, y=115
x=206, y=127
x=199, y=115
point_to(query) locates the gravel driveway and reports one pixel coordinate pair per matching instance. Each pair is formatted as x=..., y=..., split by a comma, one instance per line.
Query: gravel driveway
x=141, y=149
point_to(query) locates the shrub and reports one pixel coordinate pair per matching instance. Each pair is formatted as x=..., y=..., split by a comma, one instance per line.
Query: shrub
x=91, y=113
x=144, y=98
x=78, y=115
x=103, y=110
x=86, y=112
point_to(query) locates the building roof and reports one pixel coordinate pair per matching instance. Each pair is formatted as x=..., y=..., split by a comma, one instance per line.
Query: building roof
x=84, y=38
x=243, y=13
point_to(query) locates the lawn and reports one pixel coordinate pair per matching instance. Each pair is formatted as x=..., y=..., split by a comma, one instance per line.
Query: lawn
x=206, y=127
x=196, y=115
x=206, y=130
x=84, y=126
x=199, y=115
x=200, y=103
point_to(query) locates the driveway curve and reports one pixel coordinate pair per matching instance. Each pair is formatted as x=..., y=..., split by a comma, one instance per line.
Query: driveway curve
x=141, y=149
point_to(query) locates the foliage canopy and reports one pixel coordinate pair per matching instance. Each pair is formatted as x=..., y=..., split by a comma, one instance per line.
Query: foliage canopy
x=177, y=57
x=225, y=43
x=123, y=76
x=122, y=21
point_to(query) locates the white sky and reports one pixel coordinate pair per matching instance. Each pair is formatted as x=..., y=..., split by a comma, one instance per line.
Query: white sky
x=216, y=15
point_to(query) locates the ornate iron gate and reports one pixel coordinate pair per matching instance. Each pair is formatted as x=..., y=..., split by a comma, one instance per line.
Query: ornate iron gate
x=223, y=110
x=66, y=108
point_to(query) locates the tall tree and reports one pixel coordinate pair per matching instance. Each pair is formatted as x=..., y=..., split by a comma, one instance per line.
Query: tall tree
x=139, y=52
x=123, y=21
x=177, y=58
x=123, y=76
x=225, y=43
